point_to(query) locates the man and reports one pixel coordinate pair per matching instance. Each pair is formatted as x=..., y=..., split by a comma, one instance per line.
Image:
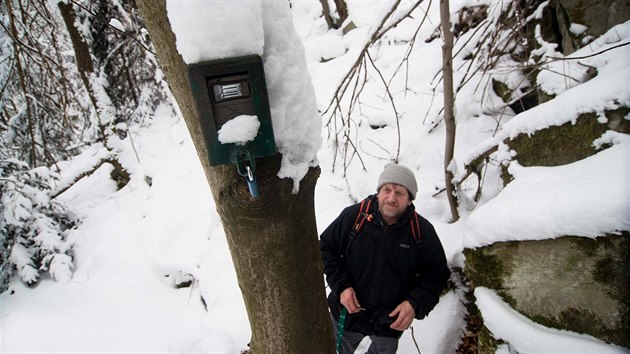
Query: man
x=384, y=264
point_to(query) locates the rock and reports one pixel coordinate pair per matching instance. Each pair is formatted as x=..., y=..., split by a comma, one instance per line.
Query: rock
x=573, y=283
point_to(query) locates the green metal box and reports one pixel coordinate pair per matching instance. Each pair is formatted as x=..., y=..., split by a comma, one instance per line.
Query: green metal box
x=225, y=89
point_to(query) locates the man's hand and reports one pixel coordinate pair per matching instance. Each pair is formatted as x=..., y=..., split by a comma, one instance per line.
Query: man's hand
x=405, y=314
x=349, y=300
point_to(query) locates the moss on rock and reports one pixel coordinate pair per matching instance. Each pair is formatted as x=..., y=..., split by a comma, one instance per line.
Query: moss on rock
x=573, y=283
x=487, y=343
x=489, y=270
x=560, y=145
x=484, y=269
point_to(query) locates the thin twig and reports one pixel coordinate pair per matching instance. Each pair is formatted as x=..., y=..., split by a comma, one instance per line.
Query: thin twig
x=391, y=99
x=590, y=55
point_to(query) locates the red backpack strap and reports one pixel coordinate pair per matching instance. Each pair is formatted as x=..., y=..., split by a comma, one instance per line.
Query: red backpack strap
x=363, y=214
x=415, y=226
x=358, y=222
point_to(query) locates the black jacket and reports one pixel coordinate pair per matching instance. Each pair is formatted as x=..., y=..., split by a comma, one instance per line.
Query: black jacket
x=384, y=265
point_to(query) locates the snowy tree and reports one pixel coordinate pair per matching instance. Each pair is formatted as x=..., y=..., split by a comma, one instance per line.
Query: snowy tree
x=124, y=65
x=117, y=66
x=42, y=110
x=42, y=120
x=72, y=75
x=33, y=228
x=449, y=105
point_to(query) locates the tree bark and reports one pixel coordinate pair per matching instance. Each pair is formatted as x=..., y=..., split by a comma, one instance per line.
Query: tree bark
x=81, y=50
x=327, y=15
x=273, y=239
x=342, y=11
x=449, y=102
x=22, y=81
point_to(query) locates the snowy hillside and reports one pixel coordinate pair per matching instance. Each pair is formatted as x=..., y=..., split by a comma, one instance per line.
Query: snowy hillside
x=136, y=244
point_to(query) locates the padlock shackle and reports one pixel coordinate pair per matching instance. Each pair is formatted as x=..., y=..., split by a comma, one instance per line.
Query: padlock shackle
x=246, y=166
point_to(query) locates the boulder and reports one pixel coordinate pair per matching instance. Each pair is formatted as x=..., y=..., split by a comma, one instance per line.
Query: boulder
x=573, y=283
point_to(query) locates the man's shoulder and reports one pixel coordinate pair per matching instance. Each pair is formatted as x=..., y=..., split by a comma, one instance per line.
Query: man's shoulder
x=350, y=213
x=367, y=202
x=425, y=225
x=423, y=220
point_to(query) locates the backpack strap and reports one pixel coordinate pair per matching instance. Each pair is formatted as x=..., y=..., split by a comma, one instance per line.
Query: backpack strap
x=358, y=222
x=415, y=227
x=363, y=215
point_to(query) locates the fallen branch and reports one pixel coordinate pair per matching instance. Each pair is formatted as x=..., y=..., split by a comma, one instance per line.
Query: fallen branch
x=118, y=174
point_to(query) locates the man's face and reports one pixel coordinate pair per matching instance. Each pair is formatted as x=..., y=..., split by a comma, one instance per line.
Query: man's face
x=393, y=200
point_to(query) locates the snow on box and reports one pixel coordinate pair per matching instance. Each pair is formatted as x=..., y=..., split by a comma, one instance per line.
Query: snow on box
x=239, y=130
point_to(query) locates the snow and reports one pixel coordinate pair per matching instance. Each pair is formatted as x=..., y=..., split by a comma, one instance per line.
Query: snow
x=135, y=244
x=117, y=24
x=207, y=30
x=577, y=28
x=607, y=91
x=525, y=336
x=561, y=75
x=603, y=200
x=71, y=170
x=239, y=130
x=265, y=28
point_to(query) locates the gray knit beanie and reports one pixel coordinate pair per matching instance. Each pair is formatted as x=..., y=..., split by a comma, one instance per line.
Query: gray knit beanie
x=401, y=175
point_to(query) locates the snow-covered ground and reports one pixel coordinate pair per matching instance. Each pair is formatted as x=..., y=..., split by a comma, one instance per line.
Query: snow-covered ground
x=136, y=243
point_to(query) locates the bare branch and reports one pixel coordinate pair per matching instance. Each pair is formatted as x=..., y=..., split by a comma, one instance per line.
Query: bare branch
x=590, y=55
x=391, y=100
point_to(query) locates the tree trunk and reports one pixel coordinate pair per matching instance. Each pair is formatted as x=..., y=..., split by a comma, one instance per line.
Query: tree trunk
x=272, y=239
x=449, y=102
x=342, y=12
x=22, y=81
x=81, y=50
x=327, y=15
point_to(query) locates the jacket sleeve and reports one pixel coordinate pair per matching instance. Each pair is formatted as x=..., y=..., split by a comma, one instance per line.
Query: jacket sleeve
x=432, y=274
x=332, y=244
